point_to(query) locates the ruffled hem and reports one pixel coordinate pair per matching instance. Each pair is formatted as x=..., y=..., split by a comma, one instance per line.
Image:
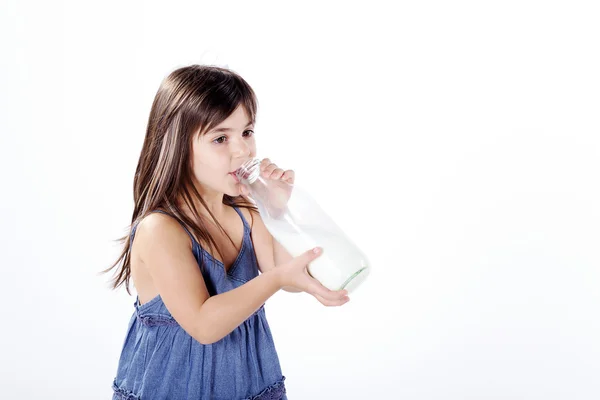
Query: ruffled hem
x=273, y=392
x=123, y=394
x=157, y=320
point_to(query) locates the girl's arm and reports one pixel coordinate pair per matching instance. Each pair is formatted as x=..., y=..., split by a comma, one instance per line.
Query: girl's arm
x=269, y=252
x=165, y=250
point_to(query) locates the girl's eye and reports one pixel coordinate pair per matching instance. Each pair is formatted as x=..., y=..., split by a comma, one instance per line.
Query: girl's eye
x=221, y=139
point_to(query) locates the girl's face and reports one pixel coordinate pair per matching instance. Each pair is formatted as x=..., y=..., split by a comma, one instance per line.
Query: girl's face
x=219, y=152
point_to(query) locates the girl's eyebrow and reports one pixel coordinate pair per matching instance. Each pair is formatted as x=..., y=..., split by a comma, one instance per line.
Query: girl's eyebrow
x=229, y=129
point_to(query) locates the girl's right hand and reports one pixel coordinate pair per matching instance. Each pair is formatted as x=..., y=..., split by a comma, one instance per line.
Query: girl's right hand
x=294, y=273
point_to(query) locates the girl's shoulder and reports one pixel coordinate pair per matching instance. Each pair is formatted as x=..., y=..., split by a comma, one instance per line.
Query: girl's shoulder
x=158, y=227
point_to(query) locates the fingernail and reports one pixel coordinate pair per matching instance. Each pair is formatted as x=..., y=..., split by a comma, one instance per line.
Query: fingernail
x=316, y=250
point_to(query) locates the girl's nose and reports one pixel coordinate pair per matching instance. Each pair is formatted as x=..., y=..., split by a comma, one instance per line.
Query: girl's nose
x=241, y=149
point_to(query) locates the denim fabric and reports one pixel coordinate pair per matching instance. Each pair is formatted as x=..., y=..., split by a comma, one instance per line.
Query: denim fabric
x=159, y=360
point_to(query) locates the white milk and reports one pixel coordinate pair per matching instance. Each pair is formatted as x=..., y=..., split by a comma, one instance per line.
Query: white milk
x=341, y=265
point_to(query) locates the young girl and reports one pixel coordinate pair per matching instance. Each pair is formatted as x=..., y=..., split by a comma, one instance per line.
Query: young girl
x=197, y=243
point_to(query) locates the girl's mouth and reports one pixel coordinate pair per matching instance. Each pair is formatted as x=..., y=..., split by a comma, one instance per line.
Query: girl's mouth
x=234, y=176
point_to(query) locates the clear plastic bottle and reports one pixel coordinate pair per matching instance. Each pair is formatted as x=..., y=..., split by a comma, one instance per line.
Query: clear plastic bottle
x=296, y=221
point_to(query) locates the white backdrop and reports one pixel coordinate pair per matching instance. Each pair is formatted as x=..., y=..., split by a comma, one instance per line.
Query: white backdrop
x=456, y=142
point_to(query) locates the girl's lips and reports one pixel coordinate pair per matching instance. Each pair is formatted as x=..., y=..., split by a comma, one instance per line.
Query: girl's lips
x=234, y=176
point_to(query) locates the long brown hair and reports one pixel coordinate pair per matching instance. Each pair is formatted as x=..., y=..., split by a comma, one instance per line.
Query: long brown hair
x=192, y=98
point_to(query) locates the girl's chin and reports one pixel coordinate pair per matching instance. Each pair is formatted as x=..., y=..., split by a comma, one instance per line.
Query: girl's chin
x=234, y=190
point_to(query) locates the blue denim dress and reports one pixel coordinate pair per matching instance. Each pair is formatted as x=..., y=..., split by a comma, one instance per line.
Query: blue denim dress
x=159, y=360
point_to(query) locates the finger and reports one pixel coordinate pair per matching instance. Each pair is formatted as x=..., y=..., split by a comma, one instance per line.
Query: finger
x=305, y=258
x=331, y=295
x=276, y=174
x=289, y=176
x=264, y=163
x=332, y=303
x=316, y=288
x=269, y=170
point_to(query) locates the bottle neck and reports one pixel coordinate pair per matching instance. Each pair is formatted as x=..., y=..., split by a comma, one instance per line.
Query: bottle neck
x=249, y=172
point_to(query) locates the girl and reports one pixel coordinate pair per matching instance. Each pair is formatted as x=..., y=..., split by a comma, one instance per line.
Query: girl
x=197, y=243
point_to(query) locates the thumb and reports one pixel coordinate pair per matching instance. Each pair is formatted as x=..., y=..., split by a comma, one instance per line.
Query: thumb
x=308, y=256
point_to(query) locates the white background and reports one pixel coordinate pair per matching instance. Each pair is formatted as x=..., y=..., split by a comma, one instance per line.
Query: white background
x=456, y=142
